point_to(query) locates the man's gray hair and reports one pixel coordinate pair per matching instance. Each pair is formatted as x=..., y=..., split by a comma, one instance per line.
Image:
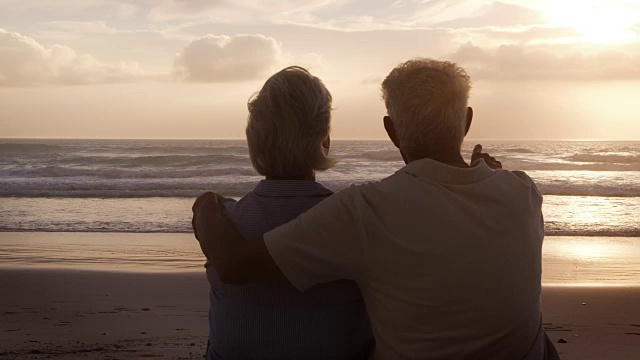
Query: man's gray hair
x=427, y=102
x=289, y=118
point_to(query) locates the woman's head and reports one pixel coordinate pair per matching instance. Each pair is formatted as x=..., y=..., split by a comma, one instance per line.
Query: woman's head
x=289, y=124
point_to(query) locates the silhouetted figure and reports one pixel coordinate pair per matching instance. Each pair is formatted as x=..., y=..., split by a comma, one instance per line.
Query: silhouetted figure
x=288, y=138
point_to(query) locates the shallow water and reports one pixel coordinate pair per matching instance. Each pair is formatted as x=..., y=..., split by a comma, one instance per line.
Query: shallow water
x=564, y=215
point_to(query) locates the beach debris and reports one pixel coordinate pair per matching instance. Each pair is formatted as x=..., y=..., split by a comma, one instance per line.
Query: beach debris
x=562, y=341
x=104, y=333
x=145, y=309
x=143, y=332
x=583, y=304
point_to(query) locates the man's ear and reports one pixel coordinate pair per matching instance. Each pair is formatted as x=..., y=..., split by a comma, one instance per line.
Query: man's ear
x=391, y=130
x=326, y=144
x=469, y=119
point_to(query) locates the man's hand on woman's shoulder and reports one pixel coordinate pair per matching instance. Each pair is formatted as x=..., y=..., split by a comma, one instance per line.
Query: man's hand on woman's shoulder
x=204, y=208
x=235, y=259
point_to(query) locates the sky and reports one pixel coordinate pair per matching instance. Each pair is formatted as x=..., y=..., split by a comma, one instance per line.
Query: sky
x=541, y=69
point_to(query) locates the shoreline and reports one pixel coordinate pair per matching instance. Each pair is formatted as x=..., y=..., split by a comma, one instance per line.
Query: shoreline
x=567, y=260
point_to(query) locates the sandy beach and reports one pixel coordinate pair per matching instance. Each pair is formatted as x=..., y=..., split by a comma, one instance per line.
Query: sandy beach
x=67, y=314
x=102, y=315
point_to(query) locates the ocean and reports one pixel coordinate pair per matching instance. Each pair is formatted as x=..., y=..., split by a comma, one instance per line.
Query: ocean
x=590, y=188
x=125, y=205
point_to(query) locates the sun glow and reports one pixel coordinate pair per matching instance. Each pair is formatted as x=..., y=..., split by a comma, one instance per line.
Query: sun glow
x=599, y=22
x=588, y=251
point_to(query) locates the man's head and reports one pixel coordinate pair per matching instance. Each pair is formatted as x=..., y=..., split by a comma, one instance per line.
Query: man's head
x=426, y=102
x=289, y=124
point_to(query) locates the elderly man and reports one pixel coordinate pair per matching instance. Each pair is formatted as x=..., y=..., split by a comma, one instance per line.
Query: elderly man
x=447, y=255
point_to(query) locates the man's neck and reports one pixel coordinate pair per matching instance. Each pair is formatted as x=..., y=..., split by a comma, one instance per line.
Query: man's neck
x=311, y=177
x=451, y=158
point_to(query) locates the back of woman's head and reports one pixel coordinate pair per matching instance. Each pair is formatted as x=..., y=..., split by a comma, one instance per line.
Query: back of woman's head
x=288, y=121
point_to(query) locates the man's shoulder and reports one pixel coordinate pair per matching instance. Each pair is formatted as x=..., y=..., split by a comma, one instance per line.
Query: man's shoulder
x=521, y=175
x=522, y=179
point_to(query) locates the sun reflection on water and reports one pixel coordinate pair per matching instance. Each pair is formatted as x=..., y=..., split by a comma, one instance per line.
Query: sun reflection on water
x=589, y=216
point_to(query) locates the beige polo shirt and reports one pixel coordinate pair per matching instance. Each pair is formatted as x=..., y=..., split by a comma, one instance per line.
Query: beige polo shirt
x=448, y=259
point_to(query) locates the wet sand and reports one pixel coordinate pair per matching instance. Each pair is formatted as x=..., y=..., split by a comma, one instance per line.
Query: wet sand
x=597, y=322
x=67, y=314
x=567, y=260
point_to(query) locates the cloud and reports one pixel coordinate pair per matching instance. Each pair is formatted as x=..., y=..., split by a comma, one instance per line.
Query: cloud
x=85, y=27
x=370, y=15
x=168, y=10
x=341, y=15
x=529, y=34
x=25, y=62
x=238, y=11
x=516, y=62
x=221, y=58
x=496, y=14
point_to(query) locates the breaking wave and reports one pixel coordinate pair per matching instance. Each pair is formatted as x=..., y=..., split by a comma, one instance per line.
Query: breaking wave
x=123, y=173
x=606, y=158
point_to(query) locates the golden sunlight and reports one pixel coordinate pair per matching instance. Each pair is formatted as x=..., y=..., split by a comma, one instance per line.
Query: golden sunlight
x=599, y=22
x=588, y=251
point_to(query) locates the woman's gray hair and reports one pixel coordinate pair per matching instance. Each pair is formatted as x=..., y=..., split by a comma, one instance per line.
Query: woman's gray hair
x=427, y=102
x=289, y=118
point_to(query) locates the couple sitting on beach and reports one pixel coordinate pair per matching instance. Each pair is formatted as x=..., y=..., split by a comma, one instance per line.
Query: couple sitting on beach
x=441, y=260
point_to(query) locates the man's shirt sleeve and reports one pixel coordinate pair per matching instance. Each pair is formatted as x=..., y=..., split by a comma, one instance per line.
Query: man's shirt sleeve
x=324, y=244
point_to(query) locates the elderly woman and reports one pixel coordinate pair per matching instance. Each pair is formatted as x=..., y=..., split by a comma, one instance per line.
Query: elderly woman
x=288, y=138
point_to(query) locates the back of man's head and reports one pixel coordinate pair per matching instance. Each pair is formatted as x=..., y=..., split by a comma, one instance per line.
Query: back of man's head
x=427, y=102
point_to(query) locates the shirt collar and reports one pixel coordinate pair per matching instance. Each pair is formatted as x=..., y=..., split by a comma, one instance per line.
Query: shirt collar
x=290, y=188
x=447, y=174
